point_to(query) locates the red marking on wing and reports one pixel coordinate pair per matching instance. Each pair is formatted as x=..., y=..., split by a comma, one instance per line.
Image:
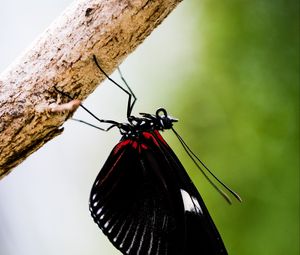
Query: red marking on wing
x=155, y=136
x=120, y=145
x=144, y=146
x=134, y=144
x=111, y=169
x=158, y=135
x=150, y=136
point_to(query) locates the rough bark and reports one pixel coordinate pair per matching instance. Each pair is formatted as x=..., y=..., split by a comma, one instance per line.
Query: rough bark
x=30, y=110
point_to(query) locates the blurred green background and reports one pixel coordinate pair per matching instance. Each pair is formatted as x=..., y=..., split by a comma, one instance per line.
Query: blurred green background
x=229, y=70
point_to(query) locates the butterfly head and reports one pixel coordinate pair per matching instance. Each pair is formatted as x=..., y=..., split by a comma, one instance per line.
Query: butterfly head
x=166, y=121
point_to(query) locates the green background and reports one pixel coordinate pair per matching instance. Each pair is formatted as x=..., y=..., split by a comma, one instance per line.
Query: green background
x=241, y=111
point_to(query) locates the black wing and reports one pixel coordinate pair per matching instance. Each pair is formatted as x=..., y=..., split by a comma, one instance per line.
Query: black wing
x=145, y=203
x=201, y=233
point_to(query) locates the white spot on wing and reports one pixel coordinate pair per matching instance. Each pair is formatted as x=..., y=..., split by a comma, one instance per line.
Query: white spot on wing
x=153, y=221
x=142, y=239
x=137, y=227
x=106, y=224
x=190, y=203
x=99, y=210
x=129, y=228
x=120, y=231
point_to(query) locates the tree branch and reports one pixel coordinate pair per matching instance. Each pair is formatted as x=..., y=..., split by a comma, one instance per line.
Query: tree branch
x=31, y=111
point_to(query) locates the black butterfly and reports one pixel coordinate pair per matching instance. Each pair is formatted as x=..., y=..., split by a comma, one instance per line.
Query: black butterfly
x=143, y=200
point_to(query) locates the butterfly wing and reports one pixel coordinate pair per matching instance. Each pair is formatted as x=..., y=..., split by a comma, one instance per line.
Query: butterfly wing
x=130, y=202
x=145, y=203
x=201, y=233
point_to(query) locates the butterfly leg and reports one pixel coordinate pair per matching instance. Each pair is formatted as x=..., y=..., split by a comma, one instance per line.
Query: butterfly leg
x=129, y=92
x=112, y=122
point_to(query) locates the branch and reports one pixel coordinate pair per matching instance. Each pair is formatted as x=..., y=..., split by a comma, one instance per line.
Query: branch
x=31, y=111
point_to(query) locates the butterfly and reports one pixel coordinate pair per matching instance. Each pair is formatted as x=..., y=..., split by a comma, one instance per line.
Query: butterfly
x=143, y=200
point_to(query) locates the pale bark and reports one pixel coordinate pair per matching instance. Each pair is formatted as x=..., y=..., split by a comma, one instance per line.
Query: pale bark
x=30, y=114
